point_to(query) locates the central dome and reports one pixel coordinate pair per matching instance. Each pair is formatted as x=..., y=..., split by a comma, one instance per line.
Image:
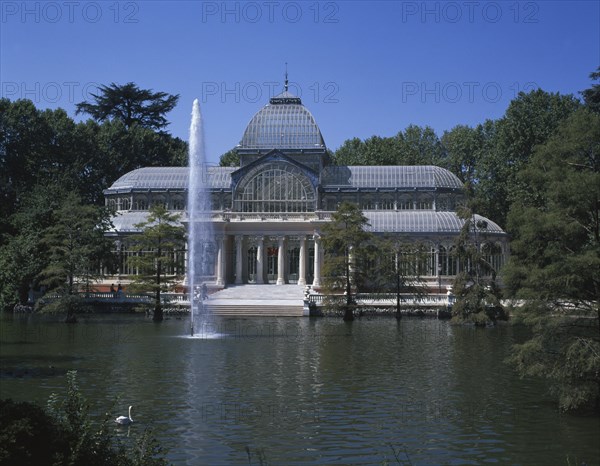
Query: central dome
x=284, y=123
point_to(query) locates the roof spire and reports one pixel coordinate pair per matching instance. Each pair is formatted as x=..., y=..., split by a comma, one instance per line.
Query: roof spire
x=285, y=97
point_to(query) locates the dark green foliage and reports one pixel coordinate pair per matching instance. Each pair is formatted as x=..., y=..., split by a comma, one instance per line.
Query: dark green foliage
x=477, y=293
x=40, y=147
x=57, y=239
x=229, y=159
x=529, y=121
x=346, y=243
x=591, y=96
x=75, y=249
x=465, y=147
x=29, y=436
x=44, y=155
x=131, y=105
x=63, y=434
x=76, y=244
x=160, y=248
x=414, y=146
x=555, y=262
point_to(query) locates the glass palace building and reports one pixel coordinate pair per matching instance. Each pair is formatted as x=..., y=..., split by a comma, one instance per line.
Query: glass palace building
x=268, y=213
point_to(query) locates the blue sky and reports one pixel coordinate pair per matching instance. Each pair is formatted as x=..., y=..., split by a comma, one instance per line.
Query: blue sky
x=362, y=68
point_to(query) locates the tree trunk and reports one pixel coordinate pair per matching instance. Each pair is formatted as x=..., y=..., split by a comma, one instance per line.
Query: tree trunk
x=348, y=314
x=158, y=312
x=398, y=313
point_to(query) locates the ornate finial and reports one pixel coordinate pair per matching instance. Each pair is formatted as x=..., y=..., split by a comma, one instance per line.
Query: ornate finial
x=285, y=97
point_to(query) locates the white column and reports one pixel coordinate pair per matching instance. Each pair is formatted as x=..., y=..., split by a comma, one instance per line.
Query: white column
x=317, y=279
x=220, y=257
x=302, y=265
x=260, y=273
x=238, y=260
x=280, y=261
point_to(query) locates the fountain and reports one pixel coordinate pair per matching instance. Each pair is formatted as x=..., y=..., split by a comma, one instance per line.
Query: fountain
x=200, y=234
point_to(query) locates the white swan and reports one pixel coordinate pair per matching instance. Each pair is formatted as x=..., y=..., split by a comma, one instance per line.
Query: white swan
x=124, y=420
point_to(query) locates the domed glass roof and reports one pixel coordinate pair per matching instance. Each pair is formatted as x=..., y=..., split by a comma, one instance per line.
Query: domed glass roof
x=284, y=123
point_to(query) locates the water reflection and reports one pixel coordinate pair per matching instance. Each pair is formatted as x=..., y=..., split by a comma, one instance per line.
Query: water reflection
x=300, y=391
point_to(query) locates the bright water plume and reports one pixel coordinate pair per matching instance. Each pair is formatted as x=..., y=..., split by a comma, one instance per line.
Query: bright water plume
x=200, y=233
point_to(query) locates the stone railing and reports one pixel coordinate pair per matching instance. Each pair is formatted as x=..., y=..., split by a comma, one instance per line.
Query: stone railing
x=389, y=299
x=126, y=297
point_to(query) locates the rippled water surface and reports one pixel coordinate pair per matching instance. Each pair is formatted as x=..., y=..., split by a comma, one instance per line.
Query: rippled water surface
x=304, y=391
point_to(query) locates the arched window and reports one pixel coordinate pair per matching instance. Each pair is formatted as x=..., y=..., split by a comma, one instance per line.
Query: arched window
x=277, y=187
x=140, y=203
x=125, y=203
x=493, y=257
x=405, y=203
x=159, y=200
x=368, y=203
x=177, y=203
x=448, y=261
x=387, y=203
x=424, y=202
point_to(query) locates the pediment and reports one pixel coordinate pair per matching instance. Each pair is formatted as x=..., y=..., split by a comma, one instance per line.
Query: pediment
x=270, y=157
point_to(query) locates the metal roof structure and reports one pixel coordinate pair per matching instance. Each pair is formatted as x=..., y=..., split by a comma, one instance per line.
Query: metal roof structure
x=124, y=222
x=394, y=176
x=163, y=178
x=424, y=221
x=284, y=123
x=388, y=177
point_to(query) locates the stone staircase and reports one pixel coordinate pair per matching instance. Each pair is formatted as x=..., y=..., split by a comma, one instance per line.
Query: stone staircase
x=258, y=301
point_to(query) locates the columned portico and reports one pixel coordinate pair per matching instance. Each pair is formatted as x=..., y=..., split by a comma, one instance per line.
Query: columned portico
x=317, y=272
x=280, y=260
x=220, y=260
x=302, y=265
x=239, y=279
x=260, y=262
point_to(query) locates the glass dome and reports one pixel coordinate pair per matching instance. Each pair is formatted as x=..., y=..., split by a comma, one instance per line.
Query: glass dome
x=284, y=123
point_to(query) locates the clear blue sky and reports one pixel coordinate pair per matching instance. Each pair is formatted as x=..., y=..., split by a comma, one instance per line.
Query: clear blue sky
x=362, y=68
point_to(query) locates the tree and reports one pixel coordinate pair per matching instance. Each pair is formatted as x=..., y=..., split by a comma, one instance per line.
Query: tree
x=229, y=159
x=399, y=269
x=76, y=248
x=475, y=287
x=131, y=105
x=554, y=266
x=349, y=153
x=413, y=146
x=591, y=96
x=529, y=121
x=159, y=249
x=345, y=242
x=464, y=148
x=418, y=146
x=23, y=256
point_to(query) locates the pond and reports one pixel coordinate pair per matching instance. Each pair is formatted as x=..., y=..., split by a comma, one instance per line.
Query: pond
x=296, y=391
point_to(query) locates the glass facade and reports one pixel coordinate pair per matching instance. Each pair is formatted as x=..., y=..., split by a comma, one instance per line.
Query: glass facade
x=283, y=124
x=276, y=188
x=269, y=211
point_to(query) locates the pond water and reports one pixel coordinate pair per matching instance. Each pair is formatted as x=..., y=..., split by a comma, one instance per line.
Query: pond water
x=296, y=391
